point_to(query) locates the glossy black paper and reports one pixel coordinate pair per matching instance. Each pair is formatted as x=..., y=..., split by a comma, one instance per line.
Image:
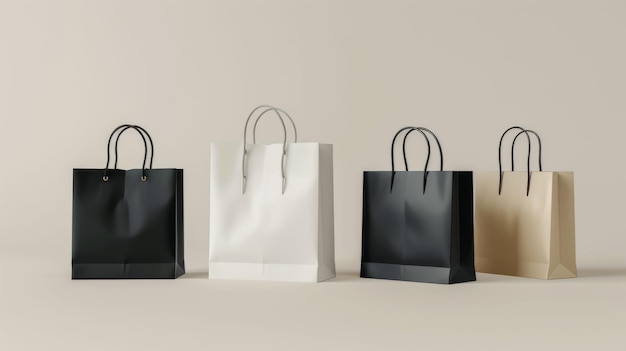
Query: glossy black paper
x=417, y=233
x=126, y=227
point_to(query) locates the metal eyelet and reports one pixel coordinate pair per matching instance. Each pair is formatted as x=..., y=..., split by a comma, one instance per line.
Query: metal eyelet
x=105, y=178
x=143, y=178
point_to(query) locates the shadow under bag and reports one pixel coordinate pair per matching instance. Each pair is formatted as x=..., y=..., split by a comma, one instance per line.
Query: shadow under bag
x=418, y=226
x=525, y=220
x=128, y=223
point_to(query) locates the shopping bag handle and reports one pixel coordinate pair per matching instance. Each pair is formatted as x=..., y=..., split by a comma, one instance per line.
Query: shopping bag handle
x=393, y=144
x=141, y=132
x=268, y=108
x=278, y=112
x=513, y=148
x=524, y=131
x=406, y=166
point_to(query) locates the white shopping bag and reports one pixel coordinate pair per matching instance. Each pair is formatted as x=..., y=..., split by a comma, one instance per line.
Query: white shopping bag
x=271, y=210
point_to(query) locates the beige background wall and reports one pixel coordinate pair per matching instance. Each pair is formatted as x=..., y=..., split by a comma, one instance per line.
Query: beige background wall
x=350, y=72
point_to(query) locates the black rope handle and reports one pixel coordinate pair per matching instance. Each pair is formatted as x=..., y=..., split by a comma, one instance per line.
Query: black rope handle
x=500, y=155
x=142, y=132
x=406, y=165
x=526, y=131
x=393, y=143
x=500, y=159
x=513, y=148
x=393, y=165
x=145, y=144
x=125, y=126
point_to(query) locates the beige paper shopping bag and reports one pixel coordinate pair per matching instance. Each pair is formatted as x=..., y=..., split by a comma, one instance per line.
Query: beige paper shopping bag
x=524, y=223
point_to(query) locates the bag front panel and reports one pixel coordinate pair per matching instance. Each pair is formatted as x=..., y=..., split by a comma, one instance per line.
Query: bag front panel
x=263, y=225
x=125, y=220
x=407, y=225
x=513, y=230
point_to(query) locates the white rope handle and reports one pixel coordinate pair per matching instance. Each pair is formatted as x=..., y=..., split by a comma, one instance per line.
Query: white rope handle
x=278, y=112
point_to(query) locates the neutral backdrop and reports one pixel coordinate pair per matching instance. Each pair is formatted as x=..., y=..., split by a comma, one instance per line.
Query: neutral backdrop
x=351, y=73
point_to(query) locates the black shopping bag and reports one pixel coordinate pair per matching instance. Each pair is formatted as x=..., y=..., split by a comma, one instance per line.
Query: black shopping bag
x=418, y=226
x=128, y=223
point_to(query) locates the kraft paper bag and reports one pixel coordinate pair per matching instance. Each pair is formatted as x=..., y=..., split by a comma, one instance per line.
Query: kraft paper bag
x=525, y=222
x=128, y=223
x=271, y=210
x=418, y=225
